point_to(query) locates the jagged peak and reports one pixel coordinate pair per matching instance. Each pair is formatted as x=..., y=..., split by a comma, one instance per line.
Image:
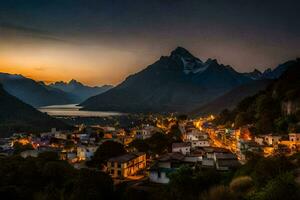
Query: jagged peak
x=182, y=52
x=211, y=61
x=75, y=82
x=256, y=71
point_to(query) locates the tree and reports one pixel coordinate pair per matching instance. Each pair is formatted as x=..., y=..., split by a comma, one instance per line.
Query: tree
x=18, y=147
x=267, y=168
x=219, y=193
x=107, y=150
x=241, y=119
x=279, y=188
x=89, y=185
x=140, y=145
x=159, y=143
x=241, y=186
x=175, y=133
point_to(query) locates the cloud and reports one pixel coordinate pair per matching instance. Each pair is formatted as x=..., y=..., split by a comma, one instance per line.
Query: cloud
x=30, y=31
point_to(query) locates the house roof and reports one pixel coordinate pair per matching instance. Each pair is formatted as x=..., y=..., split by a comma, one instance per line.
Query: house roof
x=226, y=156
x=175, y=156
x=215, y=150
x=126, y=157
x=181, y=144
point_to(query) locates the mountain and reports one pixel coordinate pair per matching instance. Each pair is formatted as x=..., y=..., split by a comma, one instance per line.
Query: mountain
x=78, y=91
x=31, y=92
x=273, y=110
x=269, y=73
x=255, y=75
x=176, y=83
x=230, y=99
x=278, y=71
x=16, y=116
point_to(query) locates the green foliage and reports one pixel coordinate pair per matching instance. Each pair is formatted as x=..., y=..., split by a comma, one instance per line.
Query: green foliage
x=158, y=143
x=38, y=178
x=141, y=145
x=219, y=193
x=105, y=151
x=91, y=185
x=241, y=185
x=263, y=110
x=175, y=133
x=241, y=119
x=18, y=147
x=281, y=187
x=267, y=168
x=188, y=183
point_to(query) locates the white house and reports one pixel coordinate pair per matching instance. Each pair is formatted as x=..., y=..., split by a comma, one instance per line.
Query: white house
x=62, y=136
x=272, y=139
x=294, y=137
x=146, y=132
x=259, y=140
x=200, y=143
x=181, y=147
x=165, y=164
x=160, y=175
x=143, y=134
x=86, y=152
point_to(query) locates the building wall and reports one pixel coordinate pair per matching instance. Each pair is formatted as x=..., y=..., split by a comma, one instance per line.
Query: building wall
x=158, y=177
x=184, y=150
x=123, y=170
x=200, y=143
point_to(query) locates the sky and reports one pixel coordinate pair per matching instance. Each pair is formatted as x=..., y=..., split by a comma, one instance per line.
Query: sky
x=101, y=42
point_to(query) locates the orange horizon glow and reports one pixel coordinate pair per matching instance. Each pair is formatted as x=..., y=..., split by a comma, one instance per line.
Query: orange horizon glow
x=93, y=66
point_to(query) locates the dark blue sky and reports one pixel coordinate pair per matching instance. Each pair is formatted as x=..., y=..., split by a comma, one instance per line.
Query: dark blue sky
x=244, y=34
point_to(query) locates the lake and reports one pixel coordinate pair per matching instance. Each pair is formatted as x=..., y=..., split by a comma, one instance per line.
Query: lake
x=73, y=110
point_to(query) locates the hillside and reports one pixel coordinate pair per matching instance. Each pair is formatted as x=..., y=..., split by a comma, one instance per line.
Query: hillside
x=230, y=99
x=274, y=110
x=176, y=83
x=16, y=116
x=31, y=92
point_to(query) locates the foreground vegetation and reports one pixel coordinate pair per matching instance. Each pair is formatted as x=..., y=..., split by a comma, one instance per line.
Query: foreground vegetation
x=47, y=177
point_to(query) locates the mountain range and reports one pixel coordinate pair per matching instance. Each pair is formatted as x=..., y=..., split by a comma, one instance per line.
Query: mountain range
x=39, y=94
x=17, y=116
x=179, y=82
x=78, y=91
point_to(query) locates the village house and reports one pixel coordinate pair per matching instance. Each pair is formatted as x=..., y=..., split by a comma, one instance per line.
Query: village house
x=86, y=152
x=221, y=159
x=272, y=139
x=294, y=137
x=61, y=136
x=225, y=161
x=164, y=165
x=146, y=132
x=182, y=147
x=126, y=165
x=268, y=139
x=200, y=143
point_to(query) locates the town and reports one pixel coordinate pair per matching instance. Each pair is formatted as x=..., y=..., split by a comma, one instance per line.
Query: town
x=150, y=152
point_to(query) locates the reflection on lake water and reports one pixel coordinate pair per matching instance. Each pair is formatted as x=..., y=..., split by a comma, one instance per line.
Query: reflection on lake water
x=73, y=110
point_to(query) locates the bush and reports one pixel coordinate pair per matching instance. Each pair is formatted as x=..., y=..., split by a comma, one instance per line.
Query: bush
x=219, y=193
x=241, y=185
